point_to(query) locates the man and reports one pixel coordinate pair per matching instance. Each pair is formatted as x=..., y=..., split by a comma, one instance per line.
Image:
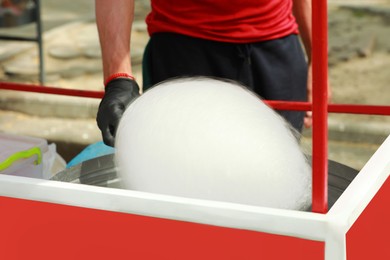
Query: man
x=253, y=42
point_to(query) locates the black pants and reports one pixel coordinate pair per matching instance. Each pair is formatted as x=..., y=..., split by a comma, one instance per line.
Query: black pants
x=275, y=70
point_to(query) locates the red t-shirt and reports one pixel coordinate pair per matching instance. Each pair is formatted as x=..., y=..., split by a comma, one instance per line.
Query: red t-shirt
x=238, y=21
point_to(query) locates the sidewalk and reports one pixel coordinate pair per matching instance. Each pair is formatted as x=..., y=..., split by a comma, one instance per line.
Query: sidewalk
x=72, y=60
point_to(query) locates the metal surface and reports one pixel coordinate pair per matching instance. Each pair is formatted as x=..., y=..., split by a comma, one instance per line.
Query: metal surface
x=339, y=178
x=100, y=171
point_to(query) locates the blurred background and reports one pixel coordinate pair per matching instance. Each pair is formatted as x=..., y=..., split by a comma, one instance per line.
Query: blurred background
x=59, y=47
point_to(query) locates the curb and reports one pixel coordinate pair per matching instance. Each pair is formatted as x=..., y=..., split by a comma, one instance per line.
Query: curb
x=373, y=132
x=45, y=105
x=352, y=131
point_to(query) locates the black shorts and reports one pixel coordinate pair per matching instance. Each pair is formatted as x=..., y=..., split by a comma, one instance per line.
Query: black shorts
x=275, y=69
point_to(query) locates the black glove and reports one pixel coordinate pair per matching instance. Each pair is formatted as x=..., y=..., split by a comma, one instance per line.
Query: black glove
x=118, y=95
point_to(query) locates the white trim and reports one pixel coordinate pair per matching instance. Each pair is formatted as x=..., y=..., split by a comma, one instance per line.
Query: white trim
x=363, y=188
x=355, y=199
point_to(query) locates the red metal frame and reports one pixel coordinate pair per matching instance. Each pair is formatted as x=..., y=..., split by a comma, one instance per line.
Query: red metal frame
x=51, y=90
x=275, y=104
x=319, y=136
x=332, y=108
x=320, y=105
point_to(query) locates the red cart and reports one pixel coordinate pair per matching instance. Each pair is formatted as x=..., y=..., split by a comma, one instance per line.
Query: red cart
x=42, y=219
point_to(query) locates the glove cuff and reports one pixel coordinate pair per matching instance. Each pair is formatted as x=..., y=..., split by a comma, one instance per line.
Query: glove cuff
x=118, y=75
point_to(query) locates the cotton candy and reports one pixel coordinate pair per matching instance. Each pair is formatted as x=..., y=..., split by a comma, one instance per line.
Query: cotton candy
x=210, y=139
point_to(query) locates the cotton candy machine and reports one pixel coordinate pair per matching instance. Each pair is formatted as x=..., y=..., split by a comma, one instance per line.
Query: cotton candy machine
x=101, y=171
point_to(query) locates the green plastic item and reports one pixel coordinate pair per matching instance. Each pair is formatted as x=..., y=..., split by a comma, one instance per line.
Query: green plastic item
x=22, y=155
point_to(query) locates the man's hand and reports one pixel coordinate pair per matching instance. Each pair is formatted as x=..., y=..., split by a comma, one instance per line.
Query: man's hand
x=119, y=94
x=308, y=120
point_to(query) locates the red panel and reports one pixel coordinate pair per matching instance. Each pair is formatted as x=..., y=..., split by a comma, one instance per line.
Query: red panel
x=368, y=238
x=37, y=230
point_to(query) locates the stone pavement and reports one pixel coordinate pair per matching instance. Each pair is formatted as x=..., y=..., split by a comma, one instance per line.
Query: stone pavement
x=72, y=60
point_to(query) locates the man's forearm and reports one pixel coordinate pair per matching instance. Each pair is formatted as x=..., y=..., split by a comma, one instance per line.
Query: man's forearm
x=114, y=20
x=302, y=12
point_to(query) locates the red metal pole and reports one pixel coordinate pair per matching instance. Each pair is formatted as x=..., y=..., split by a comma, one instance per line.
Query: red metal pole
x=320, y=105
x=332, y=108
x=359, y=109
x=275, y=104
x=51, y=90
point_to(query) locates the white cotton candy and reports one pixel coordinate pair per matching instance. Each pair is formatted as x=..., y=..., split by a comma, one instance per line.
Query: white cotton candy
x=210, y=139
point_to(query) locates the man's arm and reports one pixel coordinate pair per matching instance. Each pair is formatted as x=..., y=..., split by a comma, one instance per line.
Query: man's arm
x=302, y=12
x=114, y=20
